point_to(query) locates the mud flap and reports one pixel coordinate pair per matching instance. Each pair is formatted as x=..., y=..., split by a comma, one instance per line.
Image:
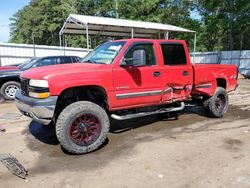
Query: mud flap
x=13, y=165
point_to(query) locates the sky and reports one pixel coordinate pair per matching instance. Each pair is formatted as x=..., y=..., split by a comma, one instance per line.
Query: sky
x=7, y=9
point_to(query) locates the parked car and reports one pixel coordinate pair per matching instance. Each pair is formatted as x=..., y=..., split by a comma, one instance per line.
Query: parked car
x=13, y=66
x=9, y=79
x=8, y=67
x=121, y=79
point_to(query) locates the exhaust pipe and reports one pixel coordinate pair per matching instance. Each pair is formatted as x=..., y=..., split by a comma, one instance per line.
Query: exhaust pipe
x=142, y=114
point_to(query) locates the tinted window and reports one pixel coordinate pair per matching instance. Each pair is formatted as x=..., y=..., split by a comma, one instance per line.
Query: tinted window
x=149, y=51
x=47, y=61
x=65, y=60
x=173, y=54
x=76, y=59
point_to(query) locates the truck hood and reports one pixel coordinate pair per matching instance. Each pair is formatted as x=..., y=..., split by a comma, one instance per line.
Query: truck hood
x=49, y=72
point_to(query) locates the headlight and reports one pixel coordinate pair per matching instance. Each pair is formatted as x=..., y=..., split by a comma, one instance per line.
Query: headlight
x=39, y=89
x=39, y=83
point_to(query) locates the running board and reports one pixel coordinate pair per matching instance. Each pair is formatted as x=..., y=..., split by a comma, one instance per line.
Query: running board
x=142, y=114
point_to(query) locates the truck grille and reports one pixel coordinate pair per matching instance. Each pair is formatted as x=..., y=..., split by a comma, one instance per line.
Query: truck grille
x=24, y=86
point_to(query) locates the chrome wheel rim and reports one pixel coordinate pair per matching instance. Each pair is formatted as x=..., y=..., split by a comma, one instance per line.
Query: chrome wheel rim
x=11, y=90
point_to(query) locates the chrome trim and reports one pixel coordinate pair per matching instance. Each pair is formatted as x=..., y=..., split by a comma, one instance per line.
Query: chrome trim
x=138, y=94
x=204, y=86
x=178, y=88
x=168, y=90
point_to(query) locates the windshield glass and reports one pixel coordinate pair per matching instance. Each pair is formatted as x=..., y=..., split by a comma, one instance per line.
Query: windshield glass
x=105, y=53
x=27, y=64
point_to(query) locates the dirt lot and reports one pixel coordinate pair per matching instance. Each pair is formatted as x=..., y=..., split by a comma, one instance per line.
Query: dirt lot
x=193, y=151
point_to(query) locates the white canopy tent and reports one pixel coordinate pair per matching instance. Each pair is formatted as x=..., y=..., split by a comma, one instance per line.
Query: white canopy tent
x=93, y=25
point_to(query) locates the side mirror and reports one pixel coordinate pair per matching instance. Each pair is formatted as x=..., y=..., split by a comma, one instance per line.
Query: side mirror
x=138, y=59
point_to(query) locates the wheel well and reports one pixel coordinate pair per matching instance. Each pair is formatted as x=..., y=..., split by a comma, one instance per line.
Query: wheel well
x=95, y=94
x=221, y=82
x=4, y=81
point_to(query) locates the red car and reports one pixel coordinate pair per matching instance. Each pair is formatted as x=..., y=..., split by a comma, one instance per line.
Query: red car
x=121, y=79
x=9, y=67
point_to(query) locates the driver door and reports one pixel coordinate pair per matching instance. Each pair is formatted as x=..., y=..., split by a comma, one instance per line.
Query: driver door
x=137, y=84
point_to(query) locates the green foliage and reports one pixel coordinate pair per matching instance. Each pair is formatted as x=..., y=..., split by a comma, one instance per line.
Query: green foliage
x=225, y=24
x=221, y=25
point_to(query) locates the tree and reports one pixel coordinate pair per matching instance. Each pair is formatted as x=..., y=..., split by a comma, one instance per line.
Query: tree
x=225, y=23
x=222, y=25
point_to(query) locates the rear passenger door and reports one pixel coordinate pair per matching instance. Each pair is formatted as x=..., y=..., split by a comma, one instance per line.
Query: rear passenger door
x=177, y=73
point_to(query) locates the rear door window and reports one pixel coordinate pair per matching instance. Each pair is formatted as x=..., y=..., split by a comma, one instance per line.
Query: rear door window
x=64, y=60
x=173, y=54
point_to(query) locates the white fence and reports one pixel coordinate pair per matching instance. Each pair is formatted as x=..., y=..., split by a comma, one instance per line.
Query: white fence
x=239, y=58
x=17, y=53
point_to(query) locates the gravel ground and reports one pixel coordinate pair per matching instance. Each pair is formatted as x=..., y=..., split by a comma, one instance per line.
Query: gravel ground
x=192, y=151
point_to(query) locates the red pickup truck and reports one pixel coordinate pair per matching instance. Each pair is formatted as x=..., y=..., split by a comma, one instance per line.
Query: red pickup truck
x=121, y=79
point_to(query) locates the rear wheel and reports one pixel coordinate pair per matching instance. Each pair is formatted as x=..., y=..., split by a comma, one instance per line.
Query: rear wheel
x=217, y=105
x=82, y=127
x=9, y=89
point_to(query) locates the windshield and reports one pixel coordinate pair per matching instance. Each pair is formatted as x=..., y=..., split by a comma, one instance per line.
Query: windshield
x=27, y=64
x=105, y=53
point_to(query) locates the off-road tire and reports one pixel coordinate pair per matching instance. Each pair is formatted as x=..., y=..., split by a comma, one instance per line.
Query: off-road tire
x=69, y=115
x=211, y=106
x=5, y=86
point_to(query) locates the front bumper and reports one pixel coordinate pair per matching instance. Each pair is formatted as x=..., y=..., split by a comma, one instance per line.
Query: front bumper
x=40, y=110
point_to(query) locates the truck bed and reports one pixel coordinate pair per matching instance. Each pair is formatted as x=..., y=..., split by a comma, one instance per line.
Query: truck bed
x=204, y=74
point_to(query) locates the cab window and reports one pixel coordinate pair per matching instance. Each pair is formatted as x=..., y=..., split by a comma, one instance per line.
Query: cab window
x=149, y=52
x=173, y=54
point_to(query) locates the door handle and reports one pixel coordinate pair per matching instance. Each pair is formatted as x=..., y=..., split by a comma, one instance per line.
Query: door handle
x=157, y=73
x=185, y=73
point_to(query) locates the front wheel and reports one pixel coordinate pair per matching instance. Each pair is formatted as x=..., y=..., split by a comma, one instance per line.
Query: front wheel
x=217, y=105
x=9, y=89
x=82, y=127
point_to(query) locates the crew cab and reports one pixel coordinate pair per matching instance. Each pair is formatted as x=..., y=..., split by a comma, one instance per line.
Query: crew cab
x=121, y=79
x=9, y=78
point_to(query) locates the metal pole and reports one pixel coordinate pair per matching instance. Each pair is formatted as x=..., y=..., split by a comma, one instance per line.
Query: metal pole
x=34, y=48
x=116, y=9
x=194, y=48
x=166, y=35
x=63, y=45
x=60, y=39
x=132, y=33
x=87, y=36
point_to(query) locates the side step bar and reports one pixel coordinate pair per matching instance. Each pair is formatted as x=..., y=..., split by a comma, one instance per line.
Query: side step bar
x=141, y=114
